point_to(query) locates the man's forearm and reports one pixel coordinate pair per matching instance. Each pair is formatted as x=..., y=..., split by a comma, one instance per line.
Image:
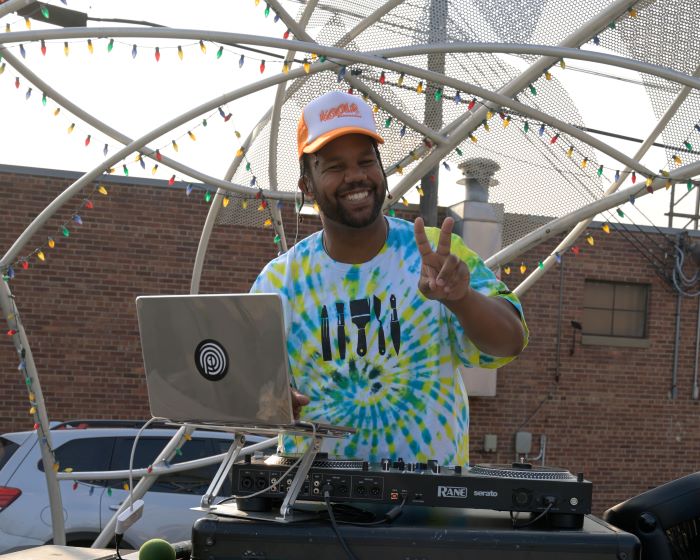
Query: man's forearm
x=492, y=323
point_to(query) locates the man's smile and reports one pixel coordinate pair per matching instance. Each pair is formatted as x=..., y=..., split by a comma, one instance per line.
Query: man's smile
x=356, y=196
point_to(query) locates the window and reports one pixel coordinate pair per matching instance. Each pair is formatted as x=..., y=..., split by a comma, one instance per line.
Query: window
x=195, y=481
x=84, y=454
x=7, y=449
x=614, y=310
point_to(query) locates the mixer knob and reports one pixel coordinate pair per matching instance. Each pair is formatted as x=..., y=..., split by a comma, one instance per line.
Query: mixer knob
x=386, y=464
x=421, y=466
x=411, y=467
x=433, y=466
x=400, y=465
x=458, y=469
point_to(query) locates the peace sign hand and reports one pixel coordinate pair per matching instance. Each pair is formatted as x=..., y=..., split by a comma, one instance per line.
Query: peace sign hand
x=443, y=276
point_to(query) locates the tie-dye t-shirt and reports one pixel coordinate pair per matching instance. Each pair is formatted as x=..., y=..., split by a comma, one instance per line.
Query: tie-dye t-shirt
x=372, y=352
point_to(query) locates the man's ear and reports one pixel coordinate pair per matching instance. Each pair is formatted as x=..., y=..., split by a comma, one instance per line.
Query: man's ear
x=304, y=187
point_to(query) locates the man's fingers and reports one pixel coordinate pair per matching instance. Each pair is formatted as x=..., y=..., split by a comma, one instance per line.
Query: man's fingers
x=445, y=242
x=448, y=269
x=299, y=399
x=422, y=242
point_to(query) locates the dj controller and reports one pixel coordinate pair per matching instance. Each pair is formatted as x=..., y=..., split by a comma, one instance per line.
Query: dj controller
x=519, y=487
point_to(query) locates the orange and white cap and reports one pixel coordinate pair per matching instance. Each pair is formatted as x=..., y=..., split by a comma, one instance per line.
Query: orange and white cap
x=330, y=116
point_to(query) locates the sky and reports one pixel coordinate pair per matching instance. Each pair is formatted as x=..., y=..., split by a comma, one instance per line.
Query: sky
x=135, y=94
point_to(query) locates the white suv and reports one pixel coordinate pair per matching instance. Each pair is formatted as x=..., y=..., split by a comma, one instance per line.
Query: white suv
x=25, y=517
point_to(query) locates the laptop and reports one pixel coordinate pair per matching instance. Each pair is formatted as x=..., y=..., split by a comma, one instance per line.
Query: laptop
x=219, y=360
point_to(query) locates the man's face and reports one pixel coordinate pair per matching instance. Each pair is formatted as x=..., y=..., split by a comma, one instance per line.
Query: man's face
x=347, y=182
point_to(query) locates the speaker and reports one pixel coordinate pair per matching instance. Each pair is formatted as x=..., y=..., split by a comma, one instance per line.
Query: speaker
x=666, y=519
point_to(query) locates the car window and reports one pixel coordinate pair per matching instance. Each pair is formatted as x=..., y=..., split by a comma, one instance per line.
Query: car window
x=193, y=481
x=7, y=448
x=84, y=454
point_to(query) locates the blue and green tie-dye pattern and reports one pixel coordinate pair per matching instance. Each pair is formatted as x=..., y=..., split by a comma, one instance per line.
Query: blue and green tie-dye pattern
x=372, y=353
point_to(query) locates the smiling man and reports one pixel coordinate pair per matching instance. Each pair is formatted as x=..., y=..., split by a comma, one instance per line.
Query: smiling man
x=380, y=312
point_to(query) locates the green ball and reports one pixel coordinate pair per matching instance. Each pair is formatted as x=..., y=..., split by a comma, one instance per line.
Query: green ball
x=156, y=549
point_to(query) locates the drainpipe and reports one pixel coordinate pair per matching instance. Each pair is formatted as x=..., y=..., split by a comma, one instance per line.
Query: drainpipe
x=696, y=389
x=561, y=305
x=676, y=344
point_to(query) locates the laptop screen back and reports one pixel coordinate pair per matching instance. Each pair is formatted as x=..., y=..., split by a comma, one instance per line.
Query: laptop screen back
x=216, y=359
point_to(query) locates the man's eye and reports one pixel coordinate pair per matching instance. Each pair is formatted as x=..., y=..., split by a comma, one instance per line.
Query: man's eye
x=333, y=168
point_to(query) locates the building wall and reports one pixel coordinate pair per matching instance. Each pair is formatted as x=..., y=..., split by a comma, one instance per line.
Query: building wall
x=609, y=415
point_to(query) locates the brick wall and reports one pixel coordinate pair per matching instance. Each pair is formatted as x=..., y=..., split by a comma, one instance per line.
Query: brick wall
x=609, y=415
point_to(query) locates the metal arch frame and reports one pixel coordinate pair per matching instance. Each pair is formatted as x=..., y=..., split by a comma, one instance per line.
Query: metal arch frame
x=215, y=207
x=571, y=237
x=107, y=130
x=560, y=225
x=136, y=146
x=13, y=6
x=459, y=130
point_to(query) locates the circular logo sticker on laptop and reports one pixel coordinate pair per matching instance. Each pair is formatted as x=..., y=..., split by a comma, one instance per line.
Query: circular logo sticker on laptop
x=211, y=360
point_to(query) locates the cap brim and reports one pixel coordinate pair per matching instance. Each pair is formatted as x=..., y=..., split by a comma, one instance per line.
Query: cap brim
x=322, y=140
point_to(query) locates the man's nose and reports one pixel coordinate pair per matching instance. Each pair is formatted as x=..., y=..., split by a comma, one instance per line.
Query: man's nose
x=355, y=173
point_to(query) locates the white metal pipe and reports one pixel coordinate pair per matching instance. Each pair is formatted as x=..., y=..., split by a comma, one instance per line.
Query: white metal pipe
x=10, y=312
x=562, y=224
x=13, y=6
x=277, y=108
x=570, y=239
x=552, y=53
x=142, y=486
x=157, y=470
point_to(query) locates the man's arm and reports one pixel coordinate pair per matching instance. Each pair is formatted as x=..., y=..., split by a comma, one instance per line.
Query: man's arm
x=492, y=323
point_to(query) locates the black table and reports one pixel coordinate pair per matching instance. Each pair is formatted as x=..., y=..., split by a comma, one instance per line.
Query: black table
x=419, y=534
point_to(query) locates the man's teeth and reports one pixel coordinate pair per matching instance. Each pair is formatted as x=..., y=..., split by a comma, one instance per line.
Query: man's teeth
x=357, y=195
